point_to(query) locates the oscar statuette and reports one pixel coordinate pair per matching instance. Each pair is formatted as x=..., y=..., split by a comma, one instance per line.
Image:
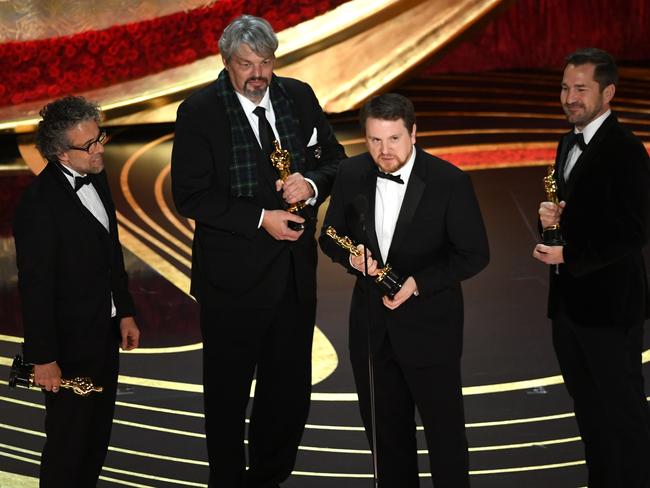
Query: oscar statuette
x=551, y=236
x=281, y=161
x=389, y=281
x=22, y=375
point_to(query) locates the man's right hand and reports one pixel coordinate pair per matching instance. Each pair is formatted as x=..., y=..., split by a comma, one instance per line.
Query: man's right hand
x=48, y=376
x=549, y=213
x=275, y=223
x=357, y=262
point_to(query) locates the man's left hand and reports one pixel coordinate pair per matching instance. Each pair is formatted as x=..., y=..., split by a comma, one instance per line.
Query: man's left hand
x=408, y=289
x=295, y=188
x=549, y=254
x=130, y=334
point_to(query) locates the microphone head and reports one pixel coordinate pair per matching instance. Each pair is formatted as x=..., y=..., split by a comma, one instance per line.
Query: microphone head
x=360, y=203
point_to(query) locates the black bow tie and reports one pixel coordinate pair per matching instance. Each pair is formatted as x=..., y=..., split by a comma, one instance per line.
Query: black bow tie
x=388, y=176
x=80, y=181
x=578, y=139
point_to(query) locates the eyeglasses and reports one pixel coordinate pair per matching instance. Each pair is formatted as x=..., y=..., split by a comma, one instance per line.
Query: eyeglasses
x=101, y=139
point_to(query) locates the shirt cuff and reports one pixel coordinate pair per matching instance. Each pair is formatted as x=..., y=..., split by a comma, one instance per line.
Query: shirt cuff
x=312, y=200
x=259, y=224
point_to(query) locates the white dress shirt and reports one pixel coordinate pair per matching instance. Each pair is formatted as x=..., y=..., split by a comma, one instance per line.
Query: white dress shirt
x=388, y=203
x=90, y=199
x=587, y=132
x=253, y=120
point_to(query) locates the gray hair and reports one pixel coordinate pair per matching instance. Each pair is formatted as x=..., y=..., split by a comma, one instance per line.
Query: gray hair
x=256, y=32
x=59, y=116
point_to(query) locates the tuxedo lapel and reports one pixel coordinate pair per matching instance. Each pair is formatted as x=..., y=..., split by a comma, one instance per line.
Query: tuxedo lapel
x=414, y=191
x=105, y=197
x=560, y=164
x=369, y=189
x=63, y=182
x=587, y=155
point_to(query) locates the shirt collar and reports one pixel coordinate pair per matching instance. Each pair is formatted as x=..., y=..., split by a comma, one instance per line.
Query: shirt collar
x=249, y=106
x=590, y=129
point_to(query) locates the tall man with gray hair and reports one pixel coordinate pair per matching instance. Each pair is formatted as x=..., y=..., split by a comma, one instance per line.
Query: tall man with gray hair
x=253, y=264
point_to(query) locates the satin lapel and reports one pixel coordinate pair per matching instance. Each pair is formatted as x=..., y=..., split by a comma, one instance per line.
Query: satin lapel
x=67, y=187
x=414, y=191
x=592, y=148
x=104, y=196
x=560, y=164
x=370, y=189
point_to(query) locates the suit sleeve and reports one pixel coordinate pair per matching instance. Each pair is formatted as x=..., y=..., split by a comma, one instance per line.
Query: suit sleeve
x=335, y=217
x=36, y=248
x=331, y=151
x=467, y=250
x=617, y=222
x=198, y=193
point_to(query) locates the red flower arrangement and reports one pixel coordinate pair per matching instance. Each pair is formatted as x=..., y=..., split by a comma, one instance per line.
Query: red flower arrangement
x=47, y=68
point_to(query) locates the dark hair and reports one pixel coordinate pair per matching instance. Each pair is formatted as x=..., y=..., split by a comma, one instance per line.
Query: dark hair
x=605, y=71
x=256, y=32
x=58, y=117
x=389, y=106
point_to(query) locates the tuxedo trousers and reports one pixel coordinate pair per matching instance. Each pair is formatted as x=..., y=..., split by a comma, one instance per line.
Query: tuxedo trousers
x=274, y=345
x=602, y=371
x=78, y=429
x=399, y=389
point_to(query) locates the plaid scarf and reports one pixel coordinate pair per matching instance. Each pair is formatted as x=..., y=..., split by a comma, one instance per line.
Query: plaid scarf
x=245, y=149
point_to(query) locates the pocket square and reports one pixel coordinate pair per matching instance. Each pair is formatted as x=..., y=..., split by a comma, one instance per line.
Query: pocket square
x=314, y=138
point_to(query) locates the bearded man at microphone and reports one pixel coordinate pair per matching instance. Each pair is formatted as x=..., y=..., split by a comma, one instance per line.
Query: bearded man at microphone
x=420, y=214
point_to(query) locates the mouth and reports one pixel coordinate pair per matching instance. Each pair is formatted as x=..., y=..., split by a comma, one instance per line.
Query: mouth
x=257, y=82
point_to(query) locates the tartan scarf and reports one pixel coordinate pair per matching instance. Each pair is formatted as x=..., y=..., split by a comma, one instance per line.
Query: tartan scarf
x=245, y=149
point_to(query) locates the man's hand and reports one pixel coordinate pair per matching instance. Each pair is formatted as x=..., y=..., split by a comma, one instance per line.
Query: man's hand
x=549, y=254
x=48, y=376
x=409, y=288
x=130, y=334
x=549, y=213
x=357, y=262
x=275, y=223
x=295, y=188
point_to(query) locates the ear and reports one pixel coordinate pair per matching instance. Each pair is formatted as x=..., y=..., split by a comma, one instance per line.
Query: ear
x=64, y=157
x=608, y=93
x=413, y=132
x=225, y=63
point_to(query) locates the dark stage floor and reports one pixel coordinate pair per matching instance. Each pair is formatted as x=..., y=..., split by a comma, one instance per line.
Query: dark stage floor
x=521, y=429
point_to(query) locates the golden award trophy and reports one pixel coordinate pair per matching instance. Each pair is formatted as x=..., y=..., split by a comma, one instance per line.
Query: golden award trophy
x=387, y=279
x=281, y=161
x=22, y=374
x=551, y=236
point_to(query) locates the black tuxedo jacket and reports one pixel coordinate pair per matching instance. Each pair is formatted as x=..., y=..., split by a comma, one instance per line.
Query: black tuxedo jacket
x=605, y=226
x=68, y=266
x=439, y=239
x=234, y=262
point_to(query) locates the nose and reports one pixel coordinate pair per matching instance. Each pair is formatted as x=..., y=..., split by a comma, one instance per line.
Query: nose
x=257, y=70
x=384, y=147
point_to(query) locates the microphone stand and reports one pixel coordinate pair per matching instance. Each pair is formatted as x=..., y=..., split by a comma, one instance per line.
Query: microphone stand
x=371, y=376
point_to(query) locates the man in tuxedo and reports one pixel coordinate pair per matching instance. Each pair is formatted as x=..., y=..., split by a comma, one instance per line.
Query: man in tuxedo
x=76, y=305
x=598, y=299
x=253, y=269
x=418, y=213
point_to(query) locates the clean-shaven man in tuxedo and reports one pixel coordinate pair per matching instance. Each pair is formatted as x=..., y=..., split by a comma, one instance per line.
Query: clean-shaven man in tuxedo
x=598, y=298
x=253, y=276
x=418, y=213
x=77, y=309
